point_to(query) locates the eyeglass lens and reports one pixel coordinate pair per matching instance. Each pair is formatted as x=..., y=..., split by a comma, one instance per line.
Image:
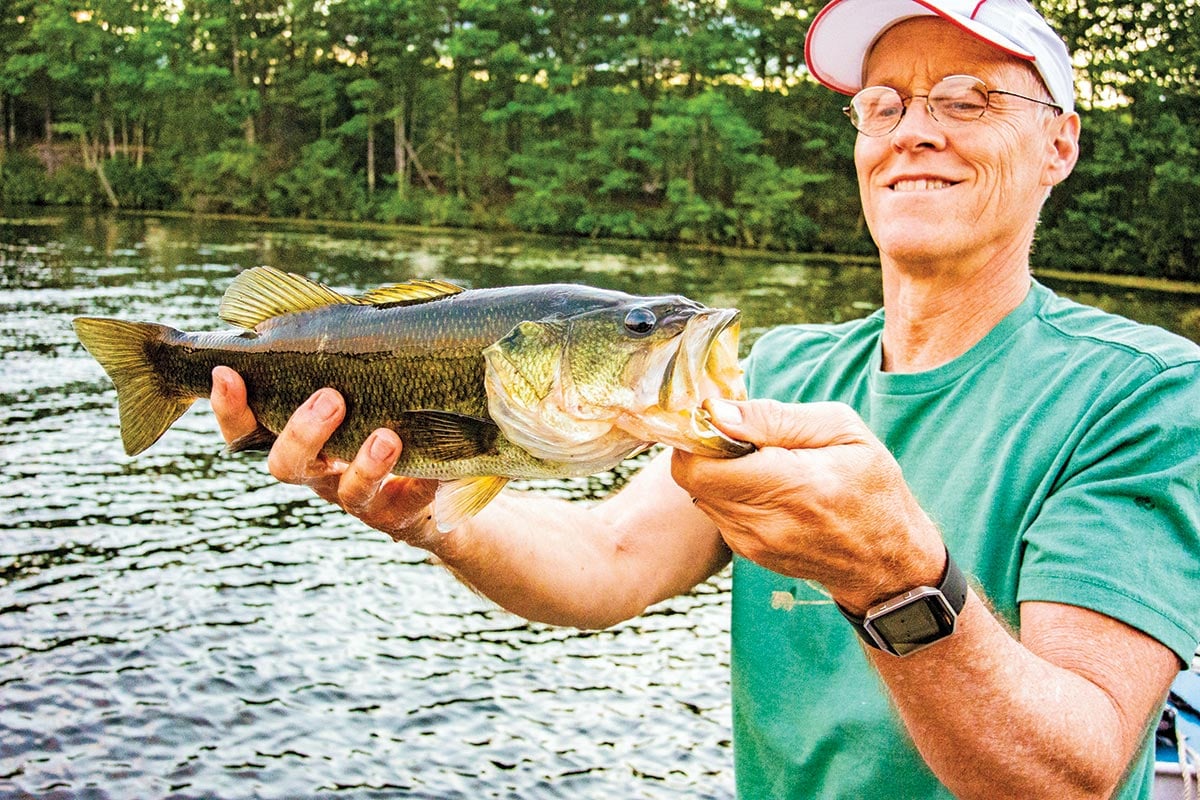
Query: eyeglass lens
x=877, y=110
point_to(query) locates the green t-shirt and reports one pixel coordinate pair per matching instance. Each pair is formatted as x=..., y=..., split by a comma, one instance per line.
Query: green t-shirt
x=1060, y=457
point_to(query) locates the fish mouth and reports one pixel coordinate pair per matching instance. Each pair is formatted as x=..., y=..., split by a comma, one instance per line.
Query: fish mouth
x=703, y=366
x=705, y=362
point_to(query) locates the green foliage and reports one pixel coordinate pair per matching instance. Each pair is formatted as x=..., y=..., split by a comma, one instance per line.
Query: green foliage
x=149, y=186
x=634, y=118
x=1170, y=237
x=1129, y=207
x=73, y=186
x=232, y=178
x=406, y=209
x=769, y=204
x=692, y=218
x=428, y=208
x=615, y=222
x=547, y=208
x=318, y=185
x=549, y=196
x=22, y=180
x=447, y=211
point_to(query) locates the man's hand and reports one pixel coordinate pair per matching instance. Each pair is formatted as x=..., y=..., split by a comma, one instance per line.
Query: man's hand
x=365, y=487
x=822, y=498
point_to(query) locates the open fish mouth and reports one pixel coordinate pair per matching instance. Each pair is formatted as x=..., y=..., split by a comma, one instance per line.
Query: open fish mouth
x=704, y=366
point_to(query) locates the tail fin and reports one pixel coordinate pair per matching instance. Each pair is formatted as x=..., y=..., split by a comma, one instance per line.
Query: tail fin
x=148, y=405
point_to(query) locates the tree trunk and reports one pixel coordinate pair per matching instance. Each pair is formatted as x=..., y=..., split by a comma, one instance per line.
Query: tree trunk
x=401, y=153
x=370, y=158
x=104, y=184
x=459, y=183
x=416, y=162
x=93, y=162
x=248, y=123
x=51, y=166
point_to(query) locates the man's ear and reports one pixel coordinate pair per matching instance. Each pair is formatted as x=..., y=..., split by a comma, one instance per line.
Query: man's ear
x=1063, y=146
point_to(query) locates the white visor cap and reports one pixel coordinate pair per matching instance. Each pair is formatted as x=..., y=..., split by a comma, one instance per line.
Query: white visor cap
x=844, y=32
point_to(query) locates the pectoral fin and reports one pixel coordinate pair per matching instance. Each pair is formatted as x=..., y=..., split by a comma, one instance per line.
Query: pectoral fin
x=445, y=436
x=458, y=501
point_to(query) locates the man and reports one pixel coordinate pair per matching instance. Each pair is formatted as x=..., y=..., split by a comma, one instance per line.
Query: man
x=979, y=420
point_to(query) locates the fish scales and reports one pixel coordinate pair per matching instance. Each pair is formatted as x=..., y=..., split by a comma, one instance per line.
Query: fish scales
x=383, y=360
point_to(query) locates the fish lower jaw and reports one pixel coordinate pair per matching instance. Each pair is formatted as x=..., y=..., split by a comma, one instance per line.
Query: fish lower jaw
x=690, y=430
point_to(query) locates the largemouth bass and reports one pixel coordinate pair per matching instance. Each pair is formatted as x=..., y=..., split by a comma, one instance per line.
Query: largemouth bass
x=482, y=385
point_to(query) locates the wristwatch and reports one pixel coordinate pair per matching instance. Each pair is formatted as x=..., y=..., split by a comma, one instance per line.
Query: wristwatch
x=916, y=619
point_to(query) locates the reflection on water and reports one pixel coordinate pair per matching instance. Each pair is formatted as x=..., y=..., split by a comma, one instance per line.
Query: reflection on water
x=181, y=625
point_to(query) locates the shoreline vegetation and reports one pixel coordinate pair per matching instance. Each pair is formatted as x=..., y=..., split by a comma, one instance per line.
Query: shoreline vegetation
x=681, y=124
x=1135, y=282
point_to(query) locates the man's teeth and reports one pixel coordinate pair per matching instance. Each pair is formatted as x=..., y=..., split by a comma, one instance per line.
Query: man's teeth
x=919, y=185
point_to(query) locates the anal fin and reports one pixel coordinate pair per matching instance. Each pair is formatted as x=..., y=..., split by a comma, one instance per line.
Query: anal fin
x=458, y=501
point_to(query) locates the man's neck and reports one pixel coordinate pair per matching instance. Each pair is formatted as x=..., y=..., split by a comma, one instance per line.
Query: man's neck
x=930, y=321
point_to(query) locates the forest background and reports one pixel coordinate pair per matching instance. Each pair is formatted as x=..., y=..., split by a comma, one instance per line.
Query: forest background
x=671, y=120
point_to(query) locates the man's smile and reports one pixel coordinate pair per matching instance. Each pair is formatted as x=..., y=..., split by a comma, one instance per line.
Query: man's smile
x=920, y=184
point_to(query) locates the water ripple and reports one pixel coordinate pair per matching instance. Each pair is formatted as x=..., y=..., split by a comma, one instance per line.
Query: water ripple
x=180, y=625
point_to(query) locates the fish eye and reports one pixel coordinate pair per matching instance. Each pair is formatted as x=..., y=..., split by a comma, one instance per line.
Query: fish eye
x=640, y=321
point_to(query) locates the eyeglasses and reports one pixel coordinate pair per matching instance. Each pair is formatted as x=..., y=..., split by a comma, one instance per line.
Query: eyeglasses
x=955, y=100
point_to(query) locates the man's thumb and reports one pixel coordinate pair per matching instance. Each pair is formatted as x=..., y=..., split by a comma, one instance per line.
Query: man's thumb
x=794, y=426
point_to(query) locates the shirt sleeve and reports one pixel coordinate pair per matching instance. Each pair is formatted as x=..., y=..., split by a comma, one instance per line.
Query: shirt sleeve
x=1120, y=533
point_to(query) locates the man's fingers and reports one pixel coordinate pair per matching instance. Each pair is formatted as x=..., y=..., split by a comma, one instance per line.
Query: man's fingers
x=365, y=487
x=362, y=479
x=296, y=454
x=396, y=505
x=229, y=404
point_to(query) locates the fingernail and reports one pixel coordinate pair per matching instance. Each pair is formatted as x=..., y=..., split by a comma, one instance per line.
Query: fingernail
x=381, y=449
x=724, y=411
x=218, y=383
x=323, y=404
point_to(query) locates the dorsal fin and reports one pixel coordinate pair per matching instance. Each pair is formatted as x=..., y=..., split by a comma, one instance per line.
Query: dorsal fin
x=262, y=293
x=418, y=291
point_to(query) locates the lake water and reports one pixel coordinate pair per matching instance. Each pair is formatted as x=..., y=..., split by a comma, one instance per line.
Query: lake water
x=180, y=625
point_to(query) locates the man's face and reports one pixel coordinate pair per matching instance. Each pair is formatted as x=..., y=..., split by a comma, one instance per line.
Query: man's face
x=938, y=197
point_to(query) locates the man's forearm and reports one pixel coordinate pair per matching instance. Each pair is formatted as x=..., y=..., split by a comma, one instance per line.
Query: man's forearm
x=544, y=559
x=566, y=563
x=995, y=719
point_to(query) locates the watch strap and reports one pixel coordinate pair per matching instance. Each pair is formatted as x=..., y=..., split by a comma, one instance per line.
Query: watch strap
x=953, y=587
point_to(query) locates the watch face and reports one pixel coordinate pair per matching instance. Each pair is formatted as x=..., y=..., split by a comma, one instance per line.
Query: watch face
x=921, y=622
